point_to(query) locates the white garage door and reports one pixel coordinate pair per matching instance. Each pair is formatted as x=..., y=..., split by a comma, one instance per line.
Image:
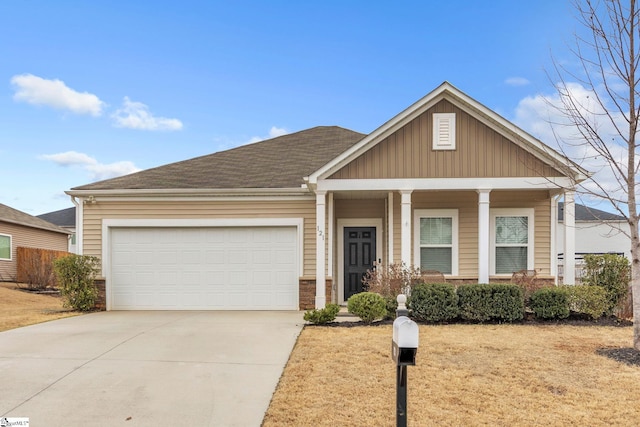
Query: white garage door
x=230, y=268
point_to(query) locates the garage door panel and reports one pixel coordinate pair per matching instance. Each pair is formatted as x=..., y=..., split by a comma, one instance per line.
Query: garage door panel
x=204, y=268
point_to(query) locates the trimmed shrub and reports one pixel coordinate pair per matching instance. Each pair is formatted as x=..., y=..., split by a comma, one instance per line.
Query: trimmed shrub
x=613, y=273
x=589, y=300
x=550, y=303
x=434, y=302
x=323, y=315
x=392, y=307
x=76, y=274
x=368, y=306
x=495, y=302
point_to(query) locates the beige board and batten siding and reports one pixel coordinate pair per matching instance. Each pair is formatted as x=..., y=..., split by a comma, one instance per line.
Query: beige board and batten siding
x=28, y=237
x=305, y=209
x=466, y=202
x=361, y=208
x=480, y=152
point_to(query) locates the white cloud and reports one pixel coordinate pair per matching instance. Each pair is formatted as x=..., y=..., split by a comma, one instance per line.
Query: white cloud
x=55, y=94
x=541, y=115
x=517, y=81
x=274, y=132
x=136, y=115
x=97, y=171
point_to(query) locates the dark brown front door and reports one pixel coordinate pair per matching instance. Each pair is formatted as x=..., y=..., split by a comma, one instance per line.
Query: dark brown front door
x=359, y=256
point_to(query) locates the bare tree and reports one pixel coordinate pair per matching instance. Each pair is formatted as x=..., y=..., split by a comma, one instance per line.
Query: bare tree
x=605, y=122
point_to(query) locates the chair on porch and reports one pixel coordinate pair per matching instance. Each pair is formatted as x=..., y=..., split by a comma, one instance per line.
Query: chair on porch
x=432, y=276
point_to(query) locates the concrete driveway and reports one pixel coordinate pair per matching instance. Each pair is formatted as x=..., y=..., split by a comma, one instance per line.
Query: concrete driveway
x=146, y=368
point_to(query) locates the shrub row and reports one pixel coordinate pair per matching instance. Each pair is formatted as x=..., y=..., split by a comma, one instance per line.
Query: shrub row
x=442, y=302
x=559, y=302
x=478, y=303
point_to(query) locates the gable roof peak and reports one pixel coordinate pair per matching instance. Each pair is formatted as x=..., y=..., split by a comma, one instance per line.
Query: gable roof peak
x=454, y=95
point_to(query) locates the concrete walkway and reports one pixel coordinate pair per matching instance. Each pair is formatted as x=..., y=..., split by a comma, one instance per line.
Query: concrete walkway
x=146, y=368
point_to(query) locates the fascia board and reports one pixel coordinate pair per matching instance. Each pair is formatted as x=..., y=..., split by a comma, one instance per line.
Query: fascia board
x=451, y=184
x=192, y=192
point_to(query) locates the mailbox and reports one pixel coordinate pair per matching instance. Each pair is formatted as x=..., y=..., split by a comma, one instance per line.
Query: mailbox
x=404, y=344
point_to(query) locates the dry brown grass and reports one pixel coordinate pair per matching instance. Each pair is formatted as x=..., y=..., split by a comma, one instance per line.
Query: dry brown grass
x=493, y=375
x=19, y=308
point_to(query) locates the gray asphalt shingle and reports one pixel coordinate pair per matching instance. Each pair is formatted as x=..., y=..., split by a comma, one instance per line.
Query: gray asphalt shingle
x=279, y=162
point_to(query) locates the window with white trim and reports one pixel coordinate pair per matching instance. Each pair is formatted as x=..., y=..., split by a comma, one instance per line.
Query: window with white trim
x=5, y=247
x=444, y=131
x=512, y=239
x=436, y=240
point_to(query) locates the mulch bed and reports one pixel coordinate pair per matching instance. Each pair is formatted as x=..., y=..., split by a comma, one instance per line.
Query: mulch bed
x=627, y=355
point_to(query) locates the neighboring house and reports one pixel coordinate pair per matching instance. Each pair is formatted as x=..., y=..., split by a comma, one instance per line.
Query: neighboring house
x=295, y=221
x=596, y=232
x=64, y=218
x=21, y=229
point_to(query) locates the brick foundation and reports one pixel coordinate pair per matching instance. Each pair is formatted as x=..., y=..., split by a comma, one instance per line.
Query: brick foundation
x=307, y=295
x=101, y=300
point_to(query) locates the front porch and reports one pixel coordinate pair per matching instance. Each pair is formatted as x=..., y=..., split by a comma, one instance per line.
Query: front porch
x=471, y=236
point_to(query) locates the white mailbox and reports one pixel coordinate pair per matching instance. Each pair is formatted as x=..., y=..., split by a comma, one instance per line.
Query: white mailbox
x=404, y=344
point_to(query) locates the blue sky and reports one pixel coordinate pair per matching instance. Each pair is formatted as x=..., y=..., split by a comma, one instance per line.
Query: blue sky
x=96, y=89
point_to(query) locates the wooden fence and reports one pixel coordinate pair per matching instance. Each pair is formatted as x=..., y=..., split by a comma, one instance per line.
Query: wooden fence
x=35, y=267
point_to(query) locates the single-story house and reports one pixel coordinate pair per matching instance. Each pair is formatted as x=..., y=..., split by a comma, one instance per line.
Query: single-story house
x=64, y=218
x=596, y=232
x=21, y=229
x=293, y=222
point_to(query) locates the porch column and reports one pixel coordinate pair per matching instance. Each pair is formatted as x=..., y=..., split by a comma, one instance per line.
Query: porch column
x=554, y=236
x=484, y=245
x=569, y=238
x=405, y=218
x=321, y=297
x=390, y=228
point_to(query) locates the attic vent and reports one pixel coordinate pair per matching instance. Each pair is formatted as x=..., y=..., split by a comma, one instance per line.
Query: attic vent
x=444, y=131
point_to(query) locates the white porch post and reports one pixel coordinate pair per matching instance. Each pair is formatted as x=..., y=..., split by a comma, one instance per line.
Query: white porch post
x=390, y=229
x=554, y=236
x=321, y=297
x=569, y=275
x=483, y=236
x=405, y=236
x=330, y=220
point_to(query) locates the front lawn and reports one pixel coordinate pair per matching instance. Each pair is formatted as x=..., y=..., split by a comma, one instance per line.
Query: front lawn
x=494, y=375
x=20, y=308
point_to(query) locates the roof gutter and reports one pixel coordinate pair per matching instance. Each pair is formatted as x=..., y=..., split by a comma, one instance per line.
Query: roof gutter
x=190, y=192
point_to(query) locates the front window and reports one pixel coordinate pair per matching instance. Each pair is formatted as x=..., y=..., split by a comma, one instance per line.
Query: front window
x=436, y=240
x=512, y=240
x=5, y=247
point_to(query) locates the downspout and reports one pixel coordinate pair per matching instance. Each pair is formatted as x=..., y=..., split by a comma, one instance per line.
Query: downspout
x=79, y=227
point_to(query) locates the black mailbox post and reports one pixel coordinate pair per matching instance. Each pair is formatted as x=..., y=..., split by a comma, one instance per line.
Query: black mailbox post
x=404, y=347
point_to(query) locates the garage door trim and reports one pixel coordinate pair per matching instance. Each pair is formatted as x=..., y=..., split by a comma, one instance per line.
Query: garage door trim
x=109, y=224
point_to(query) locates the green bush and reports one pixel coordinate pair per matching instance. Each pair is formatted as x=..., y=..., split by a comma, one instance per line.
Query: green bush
x=368, y=306
x=392, y=307
x=323, y=315
x=551, y=303
x=75, y=275
x=434, y=302
x=613, y=273
x=589, y=300
x=495, y=302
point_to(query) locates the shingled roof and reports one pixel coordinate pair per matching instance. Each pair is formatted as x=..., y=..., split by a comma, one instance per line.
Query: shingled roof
x=62, y=218
x=14, y=216
x=584, y=213
x=279, y=162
